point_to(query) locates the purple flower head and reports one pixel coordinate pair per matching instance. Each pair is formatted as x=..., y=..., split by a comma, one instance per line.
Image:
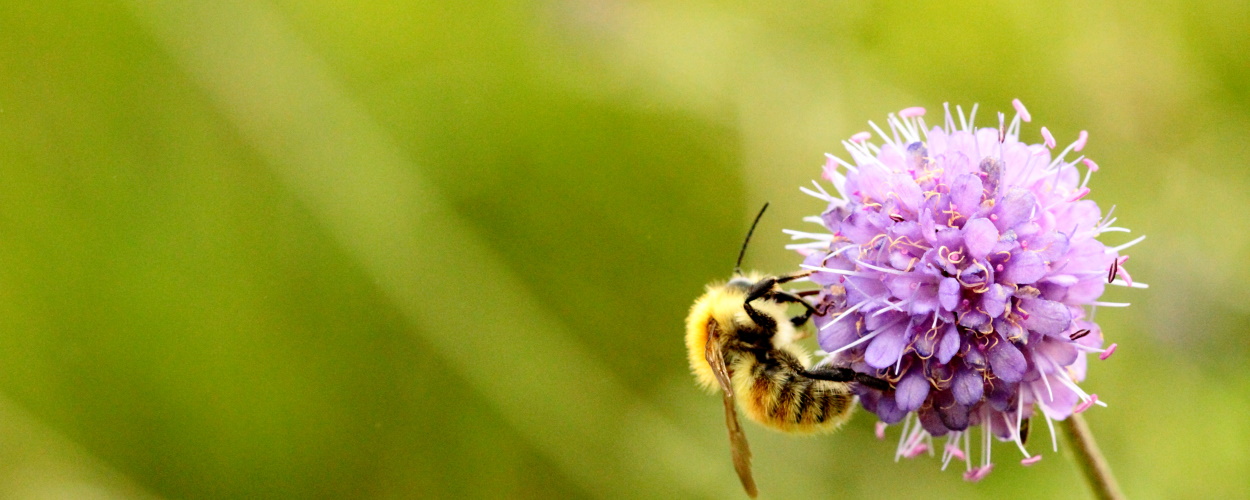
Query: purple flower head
x=963, y=266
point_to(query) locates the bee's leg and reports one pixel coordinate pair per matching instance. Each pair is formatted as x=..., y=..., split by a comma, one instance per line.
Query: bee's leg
x=791, y=277
x=848, y=375
x=766, y=288
x=808, y=310
x=759, y=290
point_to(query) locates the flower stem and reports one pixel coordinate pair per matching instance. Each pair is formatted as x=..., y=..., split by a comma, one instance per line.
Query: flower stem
x=1090, y=459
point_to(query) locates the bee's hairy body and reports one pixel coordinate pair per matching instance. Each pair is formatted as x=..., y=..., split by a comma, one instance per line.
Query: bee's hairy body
x=740, y=341
x=775, y=396
x=767, y=369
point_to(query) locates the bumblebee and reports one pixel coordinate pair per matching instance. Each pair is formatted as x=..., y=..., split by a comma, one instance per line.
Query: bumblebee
x=740, y=339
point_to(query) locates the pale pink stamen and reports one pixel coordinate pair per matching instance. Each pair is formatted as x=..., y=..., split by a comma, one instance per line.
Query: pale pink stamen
x=1024, y=113
x=1128, y=280
x=861, y=137
x=1031, y=460
x=1080, y=193
x=978, y=473
x=1093, y=398
x=911, y=112
x=1093, y=167
x=1107, y=353
x=1080, y=141
x=915, y=451
x=881, y=430
x=956, y=452
x=1121, y=271
x=1050, y=139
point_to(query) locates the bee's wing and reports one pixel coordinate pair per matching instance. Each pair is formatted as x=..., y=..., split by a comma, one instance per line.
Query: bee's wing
x=737, y=439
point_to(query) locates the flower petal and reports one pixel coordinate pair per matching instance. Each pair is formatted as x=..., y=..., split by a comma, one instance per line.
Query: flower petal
x=1007, y=361
x=911, y=391
x=924, y=300
x=954, y=415
x=937, y=141
x=1010, y=331
x=903, y=286
x=1086, y=290
x=1059, y=406
x=1052, y=245
x=974, y=357
x=980, y=235
x=909, y=194
x=1001, y=396
x=932, y=422
x=858, y=227
x=962, y=143
x=966, y=194
x=948, y=293
x=893, y=156
x=863, y=289
x=1024, y=268
x=873, y=179
x=967, y=387
x=975, y=320
x=949, y=344
x=1058, y=352
x=885, y=349
x=817, y=259
x=926, y=342
x=837, y=335
x=888, y=411
x=1015, y=208
x=994, y=300
x=928, y=228
x=1046, y=317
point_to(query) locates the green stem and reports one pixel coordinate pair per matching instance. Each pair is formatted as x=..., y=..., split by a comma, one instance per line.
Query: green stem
x=1090, y=459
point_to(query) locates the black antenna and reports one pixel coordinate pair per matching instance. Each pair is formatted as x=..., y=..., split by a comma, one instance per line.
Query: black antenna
x=738, y=266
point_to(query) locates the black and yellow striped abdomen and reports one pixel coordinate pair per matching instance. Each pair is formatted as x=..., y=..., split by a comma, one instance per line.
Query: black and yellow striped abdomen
x=773, y=391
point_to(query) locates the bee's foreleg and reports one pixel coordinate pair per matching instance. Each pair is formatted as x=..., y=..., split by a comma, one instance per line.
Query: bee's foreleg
x=767, y=289
x=836, y=374
x=808, y=309
x=759, y=290
x=791, y=277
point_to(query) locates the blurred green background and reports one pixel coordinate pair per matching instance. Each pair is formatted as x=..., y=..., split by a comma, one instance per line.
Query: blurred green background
x=444, y=249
